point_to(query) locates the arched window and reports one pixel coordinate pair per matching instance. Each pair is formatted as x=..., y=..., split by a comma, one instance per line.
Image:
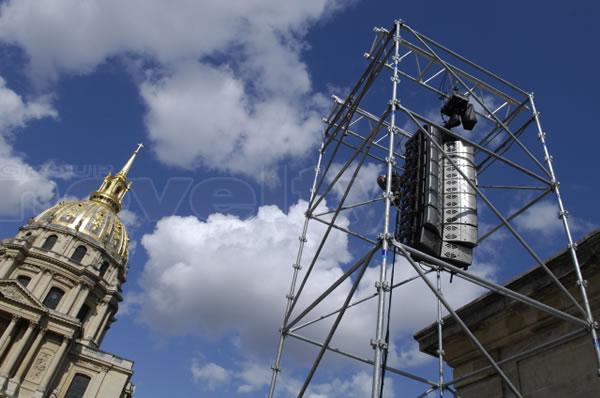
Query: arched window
x=23, y=280
x=79, y=253
x=78, y=386
x=49, y=242
x=83, y=313
x=53, y=298
x=103, y=268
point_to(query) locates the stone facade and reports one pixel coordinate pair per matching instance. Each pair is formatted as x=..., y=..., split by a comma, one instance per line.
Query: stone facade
x=563, y=369
x=60, y=285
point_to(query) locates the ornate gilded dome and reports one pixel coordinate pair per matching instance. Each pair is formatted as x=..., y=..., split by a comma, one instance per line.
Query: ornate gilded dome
x=97, y=217
x=92, y=219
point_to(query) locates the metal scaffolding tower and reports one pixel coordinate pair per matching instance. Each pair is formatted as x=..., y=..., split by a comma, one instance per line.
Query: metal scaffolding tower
x=512, y=161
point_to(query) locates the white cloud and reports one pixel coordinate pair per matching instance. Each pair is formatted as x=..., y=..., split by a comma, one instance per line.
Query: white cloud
x=227, y=277
x=249, y=378
x=357, y=386
x=129, y=218
x=543, y=219
x=211, y=375
x=201, y=115
x=233, y=92
x=245, y=264
x=409, y=356
x=365, y=185
x=24, y=187
x=75, y=36
x=15, y=112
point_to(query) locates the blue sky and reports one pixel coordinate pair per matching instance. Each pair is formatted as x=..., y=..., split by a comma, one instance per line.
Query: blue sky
x=227, y=97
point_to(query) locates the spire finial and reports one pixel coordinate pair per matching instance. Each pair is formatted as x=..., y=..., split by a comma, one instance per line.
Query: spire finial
x=125, y=170
x=114, y=188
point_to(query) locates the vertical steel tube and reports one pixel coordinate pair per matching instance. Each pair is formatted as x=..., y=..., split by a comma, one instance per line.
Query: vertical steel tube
x=563, y=216
x=382, y=287
x=296, y=266
x=439, y=330
x=461, y=323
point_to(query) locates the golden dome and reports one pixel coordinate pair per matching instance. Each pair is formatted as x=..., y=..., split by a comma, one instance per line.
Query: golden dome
x=92, y=219
x=97, y=217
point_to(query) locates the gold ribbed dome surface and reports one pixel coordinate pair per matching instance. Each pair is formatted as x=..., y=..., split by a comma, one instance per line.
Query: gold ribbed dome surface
x=92, y=219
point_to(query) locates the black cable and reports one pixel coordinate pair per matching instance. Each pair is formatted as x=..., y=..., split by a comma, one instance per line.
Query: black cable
x=387, y=333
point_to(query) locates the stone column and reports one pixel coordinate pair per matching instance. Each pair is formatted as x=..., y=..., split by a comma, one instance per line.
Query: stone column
x=7, y=266
x=15, y=382
x=92, y=327
x=80, y=300
x=7, y=335
x=42, y=285
x=51, y=369
x=71, y=299
x=102, y=327
x=36, y=280
x=13, y=356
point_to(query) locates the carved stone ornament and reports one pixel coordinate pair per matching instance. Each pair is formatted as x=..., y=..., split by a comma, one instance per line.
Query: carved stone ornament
x=13, y=293
x=40, y=365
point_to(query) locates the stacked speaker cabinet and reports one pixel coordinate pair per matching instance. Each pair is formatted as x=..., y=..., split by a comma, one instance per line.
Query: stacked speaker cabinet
x=438, y=207
x=459, y=204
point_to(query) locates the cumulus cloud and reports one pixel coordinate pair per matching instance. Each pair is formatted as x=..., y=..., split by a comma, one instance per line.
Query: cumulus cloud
x=74, y=36
x=365, y=185
x=225, y=87
x=245, y=263
x=543, y=219
x=233, y=274
x=129, y=218
x=24, y=187
x=211, y=375
x=248, y=378
x=200, y=115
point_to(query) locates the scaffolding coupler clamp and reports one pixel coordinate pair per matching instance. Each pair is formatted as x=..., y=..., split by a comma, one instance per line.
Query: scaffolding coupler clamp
x=385, y=286
x=385, y=236
x=541, y=134
x=391, y=195
x=582, y=282
x=379, y=344
x=284, y=331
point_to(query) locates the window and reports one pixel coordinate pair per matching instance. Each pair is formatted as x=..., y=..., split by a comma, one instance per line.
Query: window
x=79, y=253
x=83, y=313
x=23, y=280
x=49, y=242
x=53, y=298
x=103, y=269
x=78, y=386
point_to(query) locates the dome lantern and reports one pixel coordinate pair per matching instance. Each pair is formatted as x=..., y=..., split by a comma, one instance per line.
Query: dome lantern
x=114, y=188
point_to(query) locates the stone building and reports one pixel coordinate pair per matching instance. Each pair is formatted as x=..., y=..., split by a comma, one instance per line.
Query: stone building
x=60, y=285
x=563, y=367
